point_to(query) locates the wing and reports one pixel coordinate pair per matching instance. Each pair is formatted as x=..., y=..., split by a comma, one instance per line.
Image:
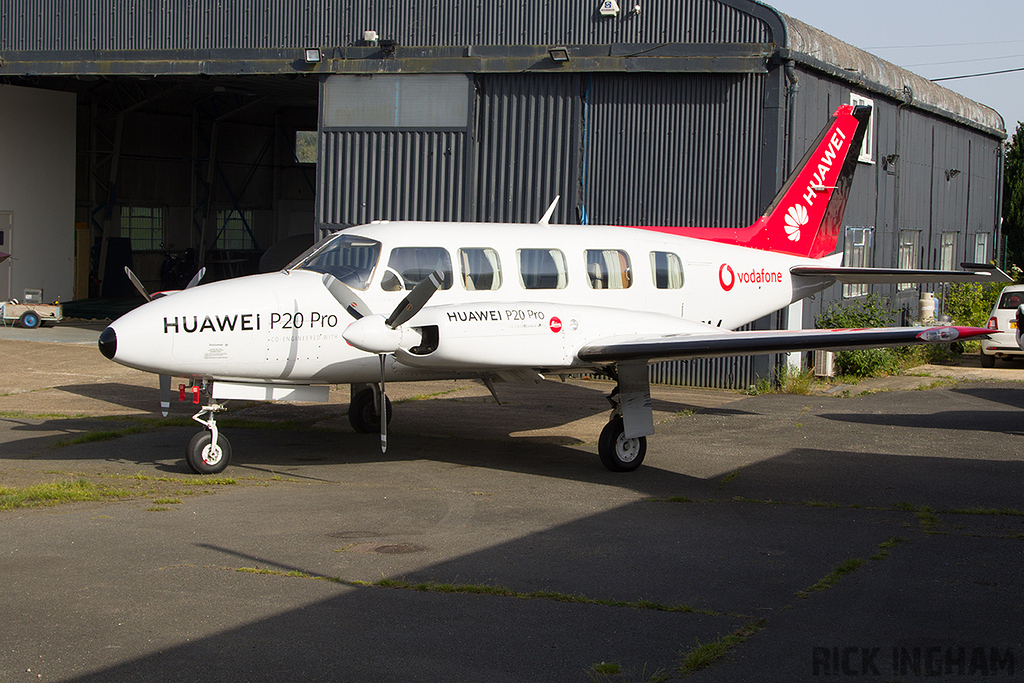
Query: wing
x=880, y=276
x=682, y=346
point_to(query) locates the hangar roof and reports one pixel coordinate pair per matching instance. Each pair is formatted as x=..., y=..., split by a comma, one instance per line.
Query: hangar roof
x=824, y=51
x=112, y=38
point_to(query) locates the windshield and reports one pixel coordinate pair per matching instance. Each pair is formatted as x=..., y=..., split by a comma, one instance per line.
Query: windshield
x=349, y=258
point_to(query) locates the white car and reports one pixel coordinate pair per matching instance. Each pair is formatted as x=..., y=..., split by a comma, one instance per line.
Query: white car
x=1003, y=322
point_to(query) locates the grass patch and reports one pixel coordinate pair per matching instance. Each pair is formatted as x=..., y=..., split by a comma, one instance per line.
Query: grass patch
x=423, y=397
x=42, y=495
x=994, y=512
x=167, y=501
x=706, y=654
x=885, y=546
x=832, y=578
x=926, y=517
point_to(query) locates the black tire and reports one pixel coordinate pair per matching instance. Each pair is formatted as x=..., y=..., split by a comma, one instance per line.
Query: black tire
x=619, y=454
x=214, y=462
x=363, y=415
x=29, y=320
x=987, y=361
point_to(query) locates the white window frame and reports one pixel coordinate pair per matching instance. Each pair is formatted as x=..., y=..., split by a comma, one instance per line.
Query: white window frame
x=947, y=250
x=981, y=247
x=868, y=144
x=908, y=254
x=858, y=252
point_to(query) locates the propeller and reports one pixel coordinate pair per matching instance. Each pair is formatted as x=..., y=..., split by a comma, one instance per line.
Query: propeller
x=165, y=380
x=380, y=335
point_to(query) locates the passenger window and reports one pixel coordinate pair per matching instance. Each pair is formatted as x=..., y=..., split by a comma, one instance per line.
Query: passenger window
x=414, y=264
x=608, y=269
x=481, y=269
x=542, y=269
x=667, y=269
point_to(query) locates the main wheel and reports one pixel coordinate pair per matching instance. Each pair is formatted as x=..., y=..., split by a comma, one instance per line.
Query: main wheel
x=205, y=458
x=987, y=361
x=29, y=320
x=619, y=454
x=363, y=415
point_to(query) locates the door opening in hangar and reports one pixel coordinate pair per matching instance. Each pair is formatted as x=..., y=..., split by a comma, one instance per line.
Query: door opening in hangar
x=176, y=173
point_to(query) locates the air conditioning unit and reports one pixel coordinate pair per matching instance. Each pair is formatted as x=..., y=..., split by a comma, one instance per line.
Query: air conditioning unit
x=824, y=364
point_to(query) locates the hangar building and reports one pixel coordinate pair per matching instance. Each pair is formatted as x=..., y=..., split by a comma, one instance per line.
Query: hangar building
x=184, y=132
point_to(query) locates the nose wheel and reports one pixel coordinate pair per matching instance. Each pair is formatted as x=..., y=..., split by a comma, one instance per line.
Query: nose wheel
x=209, y=452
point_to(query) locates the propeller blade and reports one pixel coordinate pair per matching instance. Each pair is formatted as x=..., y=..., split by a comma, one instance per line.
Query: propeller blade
x=165, y=394
x=383, y=408
x=345, y=296
x=138, y=284
x=196, y=278
x=417, y=298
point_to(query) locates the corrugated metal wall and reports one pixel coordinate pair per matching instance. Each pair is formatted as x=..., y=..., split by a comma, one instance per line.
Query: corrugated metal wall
x=224, y=24
x=673, y=149
x=391, y=175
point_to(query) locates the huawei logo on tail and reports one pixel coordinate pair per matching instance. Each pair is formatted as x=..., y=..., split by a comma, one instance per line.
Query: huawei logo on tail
x=796, y=217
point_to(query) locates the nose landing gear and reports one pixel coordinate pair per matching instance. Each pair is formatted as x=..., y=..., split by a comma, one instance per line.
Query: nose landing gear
x=209, y=451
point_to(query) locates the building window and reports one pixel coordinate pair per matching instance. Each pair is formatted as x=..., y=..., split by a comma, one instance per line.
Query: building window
x=234, y=230
x=866, y=147
x=947, y=252
x=144, y=225
x=305, y=146
x=909, y=256
x=981, y=247
x=857, y=253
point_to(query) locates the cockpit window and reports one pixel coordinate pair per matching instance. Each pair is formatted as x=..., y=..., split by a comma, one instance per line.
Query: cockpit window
x=415, y=264
x=349, y=258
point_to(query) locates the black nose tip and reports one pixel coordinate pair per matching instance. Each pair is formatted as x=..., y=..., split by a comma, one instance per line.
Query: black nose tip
x=108, y=342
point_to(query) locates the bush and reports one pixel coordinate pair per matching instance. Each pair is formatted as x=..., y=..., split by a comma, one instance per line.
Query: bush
x=872, y=311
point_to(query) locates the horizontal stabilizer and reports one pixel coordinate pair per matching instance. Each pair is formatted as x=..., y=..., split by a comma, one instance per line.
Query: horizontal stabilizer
x=881, y=276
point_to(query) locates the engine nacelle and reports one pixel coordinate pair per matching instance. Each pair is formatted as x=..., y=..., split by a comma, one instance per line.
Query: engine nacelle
x=522, y=334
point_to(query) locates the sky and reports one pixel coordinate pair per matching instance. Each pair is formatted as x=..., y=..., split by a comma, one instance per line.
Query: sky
x=935, y=39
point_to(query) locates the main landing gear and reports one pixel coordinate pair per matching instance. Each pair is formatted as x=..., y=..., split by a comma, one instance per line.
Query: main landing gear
x=619, y=454
x=209, y=452
x=364, y=410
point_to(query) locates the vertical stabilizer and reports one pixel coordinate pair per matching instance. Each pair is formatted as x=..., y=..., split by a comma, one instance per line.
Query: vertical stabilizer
x=805, y=217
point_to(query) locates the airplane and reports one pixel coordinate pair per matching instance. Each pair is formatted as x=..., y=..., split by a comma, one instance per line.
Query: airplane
x=407, y=301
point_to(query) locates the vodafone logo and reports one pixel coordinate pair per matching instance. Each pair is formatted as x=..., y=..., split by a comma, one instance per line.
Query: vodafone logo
x=722, y=270
x=796, y=218
x=555, y=324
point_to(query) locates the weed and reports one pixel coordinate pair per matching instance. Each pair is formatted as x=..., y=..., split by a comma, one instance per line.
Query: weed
x=706, y=654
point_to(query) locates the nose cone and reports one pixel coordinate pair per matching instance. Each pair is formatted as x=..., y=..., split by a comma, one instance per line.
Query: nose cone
x=108, y=343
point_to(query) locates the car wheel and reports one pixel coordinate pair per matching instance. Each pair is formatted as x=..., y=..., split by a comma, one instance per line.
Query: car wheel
x=987, y=361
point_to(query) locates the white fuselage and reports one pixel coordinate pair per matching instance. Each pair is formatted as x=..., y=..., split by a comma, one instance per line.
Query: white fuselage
x=286, y=327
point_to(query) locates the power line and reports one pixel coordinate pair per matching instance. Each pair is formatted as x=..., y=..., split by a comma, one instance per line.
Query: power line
x=988, y=73
x=963, y=61
x=914, y=47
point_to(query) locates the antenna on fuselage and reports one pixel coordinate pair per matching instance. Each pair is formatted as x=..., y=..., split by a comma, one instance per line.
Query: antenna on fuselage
x=551, y=209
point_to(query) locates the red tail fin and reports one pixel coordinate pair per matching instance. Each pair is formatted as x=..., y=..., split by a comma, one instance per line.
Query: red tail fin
x=806, y=215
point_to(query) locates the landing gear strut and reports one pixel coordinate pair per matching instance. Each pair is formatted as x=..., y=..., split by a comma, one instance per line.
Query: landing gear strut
x=209, y=451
